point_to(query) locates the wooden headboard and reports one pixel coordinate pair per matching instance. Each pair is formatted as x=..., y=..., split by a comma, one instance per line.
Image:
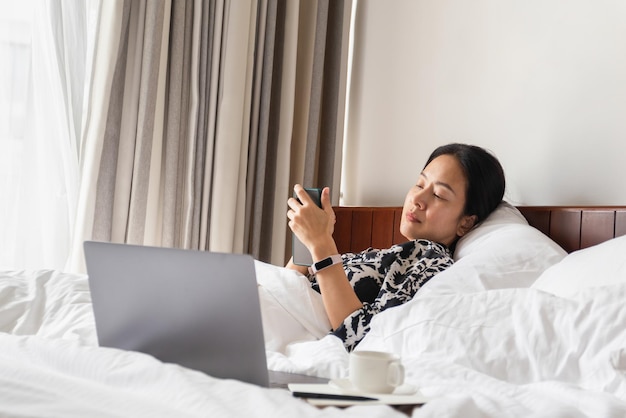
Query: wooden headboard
x=572, y=227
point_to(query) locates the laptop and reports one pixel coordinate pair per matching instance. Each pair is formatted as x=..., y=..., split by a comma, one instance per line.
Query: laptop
x=198, y=309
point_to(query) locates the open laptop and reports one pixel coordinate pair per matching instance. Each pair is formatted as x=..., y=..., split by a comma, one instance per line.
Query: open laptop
x=198, y=309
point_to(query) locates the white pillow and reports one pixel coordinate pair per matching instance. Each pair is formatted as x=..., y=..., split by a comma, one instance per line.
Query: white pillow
x=502, y=252
x=600, y=265
x=505, y=214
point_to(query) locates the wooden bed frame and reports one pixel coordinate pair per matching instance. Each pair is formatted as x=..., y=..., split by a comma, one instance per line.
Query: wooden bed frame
x=572, y=227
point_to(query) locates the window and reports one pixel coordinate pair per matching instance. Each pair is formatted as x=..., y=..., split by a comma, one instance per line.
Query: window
x=42, y=80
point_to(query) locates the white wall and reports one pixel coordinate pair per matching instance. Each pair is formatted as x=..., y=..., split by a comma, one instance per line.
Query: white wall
x=542, y=83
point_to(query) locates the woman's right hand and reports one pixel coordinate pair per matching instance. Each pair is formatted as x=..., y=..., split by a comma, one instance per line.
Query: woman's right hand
x=312, y=225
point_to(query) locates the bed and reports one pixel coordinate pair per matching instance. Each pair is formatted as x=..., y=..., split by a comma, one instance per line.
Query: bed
x=530, y=321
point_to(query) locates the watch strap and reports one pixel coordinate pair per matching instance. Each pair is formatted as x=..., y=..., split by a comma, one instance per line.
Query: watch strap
x=325, y=263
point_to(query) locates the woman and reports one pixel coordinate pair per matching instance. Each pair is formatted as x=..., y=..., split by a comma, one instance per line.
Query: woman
x=458, y=188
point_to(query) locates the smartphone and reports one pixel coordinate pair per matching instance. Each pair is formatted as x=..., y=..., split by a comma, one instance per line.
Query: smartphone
x=301, y=255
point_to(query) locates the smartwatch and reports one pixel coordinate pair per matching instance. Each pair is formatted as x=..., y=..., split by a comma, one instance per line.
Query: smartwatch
x=325, y=263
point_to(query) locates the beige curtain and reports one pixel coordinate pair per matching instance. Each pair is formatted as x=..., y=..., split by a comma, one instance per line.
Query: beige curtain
x=202, y=116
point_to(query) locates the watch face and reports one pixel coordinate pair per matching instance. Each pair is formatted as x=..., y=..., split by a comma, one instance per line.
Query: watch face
x=324, y=263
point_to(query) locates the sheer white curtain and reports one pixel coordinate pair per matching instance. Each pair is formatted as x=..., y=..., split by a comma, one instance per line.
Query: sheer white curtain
x=44, y=50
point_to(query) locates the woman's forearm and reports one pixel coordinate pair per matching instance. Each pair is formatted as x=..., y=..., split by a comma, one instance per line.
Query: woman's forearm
x=337, y=294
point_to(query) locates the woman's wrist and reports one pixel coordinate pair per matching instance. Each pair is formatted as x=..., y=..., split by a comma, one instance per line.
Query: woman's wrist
x=323, y=249
x=325, y=263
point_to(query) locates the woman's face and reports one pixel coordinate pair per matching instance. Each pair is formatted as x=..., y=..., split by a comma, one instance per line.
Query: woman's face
x=433, y=208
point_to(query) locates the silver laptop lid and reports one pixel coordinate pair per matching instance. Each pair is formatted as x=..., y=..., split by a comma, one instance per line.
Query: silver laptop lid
x=195, y=308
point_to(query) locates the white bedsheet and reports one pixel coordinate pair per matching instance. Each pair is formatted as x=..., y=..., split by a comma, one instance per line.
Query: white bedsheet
x=46, y=303
x=494, y=353
x=52, y=377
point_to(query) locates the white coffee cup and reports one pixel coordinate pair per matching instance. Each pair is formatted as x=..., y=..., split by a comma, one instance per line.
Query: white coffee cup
x=375, y=371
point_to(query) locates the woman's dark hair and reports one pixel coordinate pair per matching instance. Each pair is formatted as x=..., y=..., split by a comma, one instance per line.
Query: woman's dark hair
x=484, y=174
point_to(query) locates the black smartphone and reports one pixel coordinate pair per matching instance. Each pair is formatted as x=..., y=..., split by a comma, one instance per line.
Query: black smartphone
x=301, y=255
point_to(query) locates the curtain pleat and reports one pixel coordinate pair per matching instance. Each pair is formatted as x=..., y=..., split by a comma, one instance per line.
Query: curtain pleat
x=143, y=173
x=315, y=104
x=331, y=112
x=110, y=144
x=174, y=200
x=204, y=133
x=196, y=237
x=319, y=167
x=232, y=127
x=261, y=162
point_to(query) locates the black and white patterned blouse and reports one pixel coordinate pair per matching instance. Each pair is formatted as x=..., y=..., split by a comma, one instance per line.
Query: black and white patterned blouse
x=386, y=278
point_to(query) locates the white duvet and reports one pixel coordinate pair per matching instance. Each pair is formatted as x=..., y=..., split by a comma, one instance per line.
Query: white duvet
x=503, y=352
x=515, y=328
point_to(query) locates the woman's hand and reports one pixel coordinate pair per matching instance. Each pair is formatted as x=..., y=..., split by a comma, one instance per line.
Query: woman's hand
x=312, y=225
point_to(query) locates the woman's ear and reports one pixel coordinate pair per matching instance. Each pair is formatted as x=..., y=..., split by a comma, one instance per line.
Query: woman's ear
x=466, y=224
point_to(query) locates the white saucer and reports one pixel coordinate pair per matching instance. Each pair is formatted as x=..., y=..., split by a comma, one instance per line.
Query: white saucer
x=345, y=384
